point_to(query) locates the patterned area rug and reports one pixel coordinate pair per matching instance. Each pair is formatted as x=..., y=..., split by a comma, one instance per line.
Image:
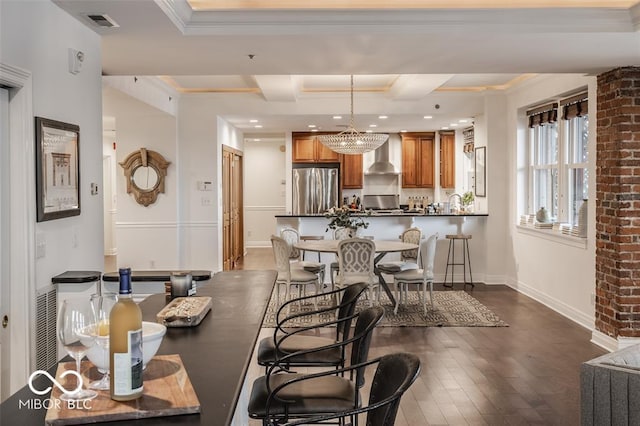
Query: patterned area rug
x=451, y=309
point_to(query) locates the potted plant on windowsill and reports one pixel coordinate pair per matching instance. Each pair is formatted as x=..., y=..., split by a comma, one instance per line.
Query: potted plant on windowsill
x=343, y=218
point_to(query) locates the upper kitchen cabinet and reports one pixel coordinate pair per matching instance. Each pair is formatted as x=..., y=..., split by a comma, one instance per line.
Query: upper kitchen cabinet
x=418, y=160
x=352, y=173
x=447, y=160
x=306, y=148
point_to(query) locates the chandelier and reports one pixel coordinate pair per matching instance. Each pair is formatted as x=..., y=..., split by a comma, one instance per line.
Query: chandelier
x=351, y=141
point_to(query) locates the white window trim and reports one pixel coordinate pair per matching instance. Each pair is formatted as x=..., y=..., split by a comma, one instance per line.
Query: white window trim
x=553, y=235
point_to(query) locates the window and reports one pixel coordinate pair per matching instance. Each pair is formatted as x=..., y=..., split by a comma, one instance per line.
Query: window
x=558, y=156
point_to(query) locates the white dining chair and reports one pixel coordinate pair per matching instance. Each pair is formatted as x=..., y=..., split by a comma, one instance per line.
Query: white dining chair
x=292, y=237
x=408, y=258
x=356, y=264
x=338, y=234
x=287, y=274
x=420, y=277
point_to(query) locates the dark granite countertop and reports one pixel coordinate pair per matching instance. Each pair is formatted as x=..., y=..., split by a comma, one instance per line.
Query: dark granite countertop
x=392, y=215
x=216, y=353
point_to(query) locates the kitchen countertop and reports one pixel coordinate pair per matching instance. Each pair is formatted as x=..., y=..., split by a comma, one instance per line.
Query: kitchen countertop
x=216, y=353
x=392, y=215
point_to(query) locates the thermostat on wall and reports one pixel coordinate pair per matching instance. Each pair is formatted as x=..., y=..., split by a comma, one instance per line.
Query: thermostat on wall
x=205, y=185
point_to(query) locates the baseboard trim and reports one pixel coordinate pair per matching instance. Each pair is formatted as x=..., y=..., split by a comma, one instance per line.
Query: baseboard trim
x=604, y=341
x=562, y=308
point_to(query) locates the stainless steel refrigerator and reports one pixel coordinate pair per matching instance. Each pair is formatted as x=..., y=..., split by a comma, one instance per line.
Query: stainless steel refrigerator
x=315, y=189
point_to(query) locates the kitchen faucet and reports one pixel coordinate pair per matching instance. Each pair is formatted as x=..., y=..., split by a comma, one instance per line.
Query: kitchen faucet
x=459, y=200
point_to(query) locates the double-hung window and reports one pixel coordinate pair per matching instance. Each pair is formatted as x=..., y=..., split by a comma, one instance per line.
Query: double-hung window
x=558, y=158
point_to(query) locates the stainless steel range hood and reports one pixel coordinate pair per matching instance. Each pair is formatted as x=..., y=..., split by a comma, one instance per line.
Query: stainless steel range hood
x=381, y=165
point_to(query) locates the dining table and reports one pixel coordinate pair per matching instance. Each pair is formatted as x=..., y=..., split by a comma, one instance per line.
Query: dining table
x=382, y=248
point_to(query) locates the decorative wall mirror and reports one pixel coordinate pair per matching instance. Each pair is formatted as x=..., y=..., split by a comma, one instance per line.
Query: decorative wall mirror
x=144, y=171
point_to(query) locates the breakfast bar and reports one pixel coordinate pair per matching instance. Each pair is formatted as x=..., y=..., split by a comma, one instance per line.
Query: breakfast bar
x=216, y=353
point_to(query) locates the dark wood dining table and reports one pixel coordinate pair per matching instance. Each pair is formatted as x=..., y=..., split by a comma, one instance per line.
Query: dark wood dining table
x=382, y=248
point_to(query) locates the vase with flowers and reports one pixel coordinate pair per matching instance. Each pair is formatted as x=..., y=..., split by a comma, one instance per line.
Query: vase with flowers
x=344, y=218
x=467, y=201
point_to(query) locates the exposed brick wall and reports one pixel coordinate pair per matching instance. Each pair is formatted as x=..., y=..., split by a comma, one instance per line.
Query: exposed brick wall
x=618, y=203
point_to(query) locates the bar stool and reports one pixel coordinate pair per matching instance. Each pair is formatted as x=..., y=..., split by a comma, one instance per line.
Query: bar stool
x=451, y=259
x=311, y=238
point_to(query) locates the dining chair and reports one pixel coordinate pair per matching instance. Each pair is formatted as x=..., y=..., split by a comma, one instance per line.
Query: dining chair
x=356, y=264
x=286, y=341
x=408, y=258
x=338, y=234
x=420, y=277
x=274, y=401
x=287, y=274
x=394, y=375
x=292, y=237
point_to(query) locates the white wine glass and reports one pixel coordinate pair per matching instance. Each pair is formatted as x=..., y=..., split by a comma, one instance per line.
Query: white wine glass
x=99, y=353
x=76, y=332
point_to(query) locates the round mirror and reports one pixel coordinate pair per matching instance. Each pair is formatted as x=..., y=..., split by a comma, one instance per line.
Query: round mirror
x=145, y=171
x=145, y=178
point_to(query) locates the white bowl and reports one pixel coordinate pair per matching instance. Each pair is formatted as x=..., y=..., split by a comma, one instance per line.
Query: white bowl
x=152, y=334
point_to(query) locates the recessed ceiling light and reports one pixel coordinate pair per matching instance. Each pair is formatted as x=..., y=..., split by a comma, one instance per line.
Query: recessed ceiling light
x=445, y=128
x=463, y=121
x=369, y=131
x=258, y=126
x=314, y=130
x=373, y=125
x=428, y=117
x=453, y=124
x=403, y=131
x=257, y=140
x=383, y=117
x=253, y=120
x=337, y=117
x=311, y=126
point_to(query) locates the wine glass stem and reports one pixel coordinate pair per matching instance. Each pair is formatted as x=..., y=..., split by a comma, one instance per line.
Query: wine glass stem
x=78, y=362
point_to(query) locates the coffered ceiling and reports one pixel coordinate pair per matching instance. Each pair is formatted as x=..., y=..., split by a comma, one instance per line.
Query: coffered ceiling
x=416, y=50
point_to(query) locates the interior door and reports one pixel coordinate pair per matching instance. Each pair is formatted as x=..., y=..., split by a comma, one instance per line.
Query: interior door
x=4, y=245
x=232, y=208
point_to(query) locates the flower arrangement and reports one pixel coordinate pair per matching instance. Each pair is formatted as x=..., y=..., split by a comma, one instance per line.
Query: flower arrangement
x=342, y=218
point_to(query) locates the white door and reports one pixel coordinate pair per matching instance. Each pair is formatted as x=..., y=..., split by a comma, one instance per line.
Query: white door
x=4, y=244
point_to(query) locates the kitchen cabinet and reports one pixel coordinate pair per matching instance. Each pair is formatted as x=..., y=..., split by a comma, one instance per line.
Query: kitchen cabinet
x=351, y=171
x=306, y=148
x=418, y=160
x=447, y=160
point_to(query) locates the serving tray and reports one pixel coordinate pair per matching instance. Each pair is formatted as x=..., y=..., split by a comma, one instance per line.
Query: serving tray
x=167, y=392
x=184, y=311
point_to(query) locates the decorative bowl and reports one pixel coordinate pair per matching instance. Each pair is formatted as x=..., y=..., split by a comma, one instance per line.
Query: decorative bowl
x=152, y=334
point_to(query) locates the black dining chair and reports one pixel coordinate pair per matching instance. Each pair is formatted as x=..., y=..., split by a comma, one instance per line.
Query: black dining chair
x=286, y=341
x=395, y=373
x=272, y=400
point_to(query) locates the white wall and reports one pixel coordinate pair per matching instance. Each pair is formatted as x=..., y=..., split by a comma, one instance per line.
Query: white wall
x=147, y=237
x=264, y=189
x=555, y=272
x=36, y=36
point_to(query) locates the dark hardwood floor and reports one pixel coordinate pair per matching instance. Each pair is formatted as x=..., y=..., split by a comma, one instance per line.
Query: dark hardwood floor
x=527, y=373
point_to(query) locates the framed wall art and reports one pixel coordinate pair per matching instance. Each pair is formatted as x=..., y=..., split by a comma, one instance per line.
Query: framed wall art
x=481, y=171
x=57, y=169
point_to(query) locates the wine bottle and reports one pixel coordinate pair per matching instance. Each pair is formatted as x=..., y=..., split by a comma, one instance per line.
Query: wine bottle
x=125, y=344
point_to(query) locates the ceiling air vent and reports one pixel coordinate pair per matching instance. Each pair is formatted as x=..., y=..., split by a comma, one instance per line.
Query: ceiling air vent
x=104, y=21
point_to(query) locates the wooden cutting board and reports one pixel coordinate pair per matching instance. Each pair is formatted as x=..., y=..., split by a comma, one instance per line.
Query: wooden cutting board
x=185, y=311
x=167, y=392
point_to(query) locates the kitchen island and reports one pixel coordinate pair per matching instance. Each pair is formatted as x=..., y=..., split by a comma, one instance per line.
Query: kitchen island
x=389, y=226
x=216, y=353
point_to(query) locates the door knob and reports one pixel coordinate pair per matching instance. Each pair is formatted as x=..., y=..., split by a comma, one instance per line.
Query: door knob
x=5, y=321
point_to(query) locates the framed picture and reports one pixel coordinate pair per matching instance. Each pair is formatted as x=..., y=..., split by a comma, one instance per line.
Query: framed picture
x=481, y=171
x=57, y=169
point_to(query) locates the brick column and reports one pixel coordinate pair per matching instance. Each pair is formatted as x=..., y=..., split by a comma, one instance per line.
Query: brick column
x=618, y=203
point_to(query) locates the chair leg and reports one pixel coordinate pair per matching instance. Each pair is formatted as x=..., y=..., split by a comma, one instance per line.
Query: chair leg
x=424, y=297
x=431, y=294
x=398, y=295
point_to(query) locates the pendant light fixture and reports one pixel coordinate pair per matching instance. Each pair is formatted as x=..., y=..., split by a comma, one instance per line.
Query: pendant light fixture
x=351, y=141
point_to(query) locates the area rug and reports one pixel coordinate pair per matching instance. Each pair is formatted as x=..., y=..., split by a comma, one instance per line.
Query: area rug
x=451, y=309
